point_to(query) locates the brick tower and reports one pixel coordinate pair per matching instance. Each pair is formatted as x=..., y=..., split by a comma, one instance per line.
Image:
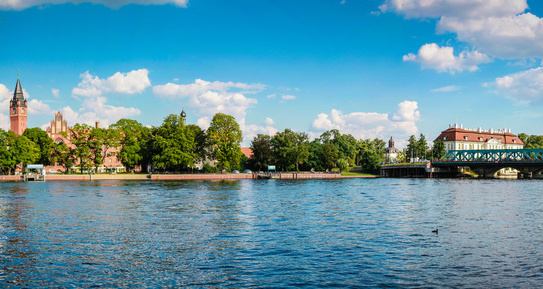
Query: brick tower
x=18, y=110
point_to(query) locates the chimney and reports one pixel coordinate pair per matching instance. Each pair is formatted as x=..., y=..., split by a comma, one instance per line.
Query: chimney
x=97, y=124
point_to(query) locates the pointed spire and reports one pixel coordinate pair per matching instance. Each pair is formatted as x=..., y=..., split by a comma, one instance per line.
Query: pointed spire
x=18, y=93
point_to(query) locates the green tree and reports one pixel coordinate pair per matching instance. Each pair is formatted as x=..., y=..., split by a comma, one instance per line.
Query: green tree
x=290, y=148
x=132, y=139
x=24, y=151
x=330, y=155
x=173, y=144
x=61, y=155
x=7, y=158
x=82, y=152
x=102, y=143
x=422, y=147
x=262, y=152
x=438, y=150
x=225, y=137
x=44, y=142
x=411, y=151
x=315, y=159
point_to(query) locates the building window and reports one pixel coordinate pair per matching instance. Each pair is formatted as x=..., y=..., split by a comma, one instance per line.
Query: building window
x=110, y=160
x=445, y=138
x=465, y=137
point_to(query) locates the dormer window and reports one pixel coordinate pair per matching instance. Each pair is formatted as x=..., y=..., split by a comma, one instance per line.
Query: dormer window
x=480, y=138
x=445, y=138
x=514, y=140
x=465, y=137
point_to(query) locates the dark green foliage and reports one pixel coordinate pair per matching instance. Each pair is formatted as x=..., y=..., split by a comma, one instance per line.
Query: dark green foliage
x=43, y=141
x=290, y=149
x=262, y=152
x=225, y=137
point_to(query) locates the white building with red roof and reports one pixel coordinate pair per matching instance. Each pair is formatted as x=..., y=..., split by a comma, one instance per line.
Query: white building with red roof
x=458, y=138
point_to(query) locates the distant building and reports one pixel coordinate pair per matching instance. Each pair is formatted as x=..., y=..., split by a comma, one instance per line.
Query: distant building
x=391, y=153
x=248, y=152
x=458, y=138
x=18, y=110
x=57, y=127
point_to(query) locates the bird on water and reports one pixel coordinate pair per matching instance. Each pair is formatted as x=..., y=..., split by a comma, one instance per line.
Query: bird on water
x=435, y=231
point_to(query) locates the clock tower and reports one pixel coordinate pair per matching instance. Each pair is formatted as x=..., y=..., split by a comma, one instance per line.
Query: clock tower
x=18, y=110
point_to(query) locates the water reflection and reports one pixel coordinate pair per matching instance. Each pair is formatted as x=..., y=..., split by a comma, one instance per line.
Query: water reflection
x=244, y=233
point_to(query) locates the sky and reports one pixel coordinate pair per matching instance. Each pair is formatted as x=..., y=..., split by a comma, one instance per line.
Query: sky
x=370, y=68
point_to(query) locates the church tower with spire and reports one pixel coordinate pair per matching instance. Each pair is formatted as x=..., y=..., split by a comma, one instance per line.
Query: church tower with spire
x=18, y=110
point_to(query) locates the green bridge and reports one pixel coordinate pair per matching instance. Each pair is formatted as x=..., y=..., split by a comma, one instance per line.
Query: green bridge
x=526, y=161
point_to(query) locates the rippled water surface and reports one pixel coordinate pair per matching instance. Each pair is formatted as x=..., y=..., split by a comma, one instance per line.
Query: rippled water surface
x=272, y=233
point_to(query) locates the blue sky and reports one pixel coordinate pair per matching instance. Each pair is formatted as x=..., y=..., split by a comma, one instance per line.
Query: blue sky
x=372, y=68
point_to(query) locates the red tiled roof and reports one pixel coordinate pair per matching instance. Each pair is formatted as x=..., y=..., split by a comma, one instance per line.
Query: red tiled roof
x=459, y=134
x=248, y=152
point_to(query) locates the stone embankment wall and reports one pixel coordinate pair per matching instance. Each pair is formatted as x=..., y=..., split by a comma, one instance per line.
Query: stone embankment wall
x=173, y=177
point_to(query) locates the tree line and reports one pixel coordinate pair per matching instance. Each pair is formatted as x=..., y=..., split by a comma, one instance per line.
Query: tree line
x=176, y=147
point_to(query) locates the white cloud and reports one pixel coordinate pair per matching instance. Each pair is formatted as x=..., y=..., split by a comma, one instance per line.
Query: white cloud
x=455, y=8
x=442, y=59
x=209, y=98
x=251, y=130
x=5, y=93
x=288, y=97
x=135, y=81
x=365, y=125
x=448, y=88
x=524, y=87
x=96, y=109
x=269, y=121
x=55, y=92
x=38, y=107
x=499, y=28
x=23, y=4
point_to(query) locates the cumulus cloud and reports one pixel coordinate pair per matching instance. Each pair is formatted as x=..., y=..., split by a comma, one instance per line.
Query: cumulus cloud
x=499, y=28
x=400, y=124
x=23, y=4
x=97, y=109
x=133, y=82
x=442, y=59
x=251, y=130
x=524, y=87
x=38, y=107
x=209, y=98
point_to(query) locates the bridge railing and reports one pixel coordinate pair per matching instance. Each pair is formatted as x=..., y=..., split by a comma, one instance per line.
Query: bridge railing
x=512, y=155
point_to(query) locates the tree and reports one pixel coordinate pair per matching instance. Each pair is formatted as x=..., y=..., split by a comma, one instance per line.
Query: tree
x=44, y=142
x=421, y=147
x=81, y=153
x=438, y=150
x=173, y=144
x=24, y=151
x=262, y=152
x=61, y=155
x=102, y=141
x=7, y=159
x=411, y=147
x=132, y=137
x=290, y=148
x=315, y=160
x=225, y=137
x=531, y=141
x=370, y=154
x=200, y=143
x=330, y=155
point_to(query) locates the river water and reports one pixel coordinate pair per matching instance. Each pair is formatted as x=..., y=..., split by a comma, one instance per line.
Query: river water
x=273, y=233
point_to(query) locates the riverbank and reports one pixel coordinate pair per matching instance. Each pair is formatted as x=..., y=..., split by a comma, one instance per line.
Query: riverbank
x=175, y=177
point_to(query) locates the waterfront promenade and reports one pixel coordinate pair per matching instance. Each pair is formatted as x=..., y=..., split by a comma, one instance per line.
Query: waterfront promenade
x=174, y=177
